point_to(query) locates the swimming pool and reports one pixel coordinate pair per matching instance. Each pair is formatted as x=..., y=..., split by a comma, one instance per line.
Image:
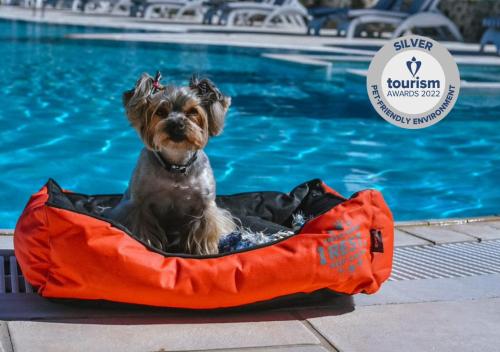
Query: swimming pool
x=61, y=117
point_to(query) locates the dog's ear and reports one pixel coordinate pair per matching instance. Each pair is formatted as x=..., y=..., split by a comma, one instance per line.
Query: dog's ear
x=137, y=102
x=127, y=95
x=138, y=96
x=213, y=102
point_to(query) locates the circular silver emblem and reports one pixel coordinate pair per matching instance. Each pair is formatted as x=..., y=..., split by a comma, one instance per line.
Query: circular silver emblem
x=413, y=82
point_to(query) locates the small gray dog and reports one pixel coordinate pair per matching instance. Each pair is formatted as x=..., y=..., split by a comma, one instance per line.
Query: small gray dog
x=170, y=202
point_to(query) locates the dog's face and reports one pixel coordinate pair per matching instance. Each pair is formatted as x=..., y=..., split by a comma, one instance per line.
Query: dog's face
x=176, y=117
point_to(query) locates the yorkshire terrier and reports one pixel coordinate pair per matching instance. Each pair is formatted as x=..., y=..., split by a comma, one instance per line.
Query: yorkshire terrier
x=170, y=201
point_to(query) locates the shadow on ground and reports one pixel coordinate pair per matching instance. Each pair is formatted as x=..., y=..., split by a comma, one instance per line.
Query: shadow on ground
x=294, y=307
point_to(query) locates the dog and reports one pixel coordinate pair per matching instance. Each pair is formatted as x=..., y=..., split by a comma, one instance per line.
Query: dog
x=170, y=201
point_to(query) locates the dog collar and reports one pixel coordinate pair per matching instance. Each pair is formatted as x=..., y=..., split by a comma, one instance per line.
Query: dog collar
x=175, y=168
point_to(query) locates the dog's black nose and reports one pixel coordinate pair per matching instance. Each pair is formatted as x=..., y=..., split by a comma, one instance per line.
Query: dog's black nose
x=176, y=129
x=181, y=125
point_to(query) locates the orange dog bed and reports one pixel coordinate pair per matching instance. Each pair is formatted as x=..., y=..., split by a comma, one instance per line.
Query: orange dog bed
x=66, y=250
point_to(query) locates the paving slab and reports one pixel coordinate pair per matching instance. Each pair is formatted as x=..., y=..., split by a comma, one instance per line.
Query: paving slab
x=470, y=325
x=405, y=239
x=5, y=345
x=495, y=224
x=29, y=336
x=481, y=230
x=432, y=290
x=438, y=234
x=6, y=242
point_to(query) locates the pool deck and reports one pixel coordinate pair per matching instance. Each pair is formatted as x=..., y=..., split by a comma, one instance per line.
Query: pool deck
x=176, y=32
x=449, y=310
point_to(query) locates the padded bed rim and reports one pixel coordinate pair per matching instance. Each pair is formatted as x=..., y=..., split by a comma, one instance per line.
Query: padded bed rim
x=53, y=186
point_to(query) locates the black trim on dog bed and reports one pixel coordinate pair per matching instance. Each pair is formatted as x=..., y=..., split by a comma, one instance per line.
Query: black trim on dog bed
x=266, y=212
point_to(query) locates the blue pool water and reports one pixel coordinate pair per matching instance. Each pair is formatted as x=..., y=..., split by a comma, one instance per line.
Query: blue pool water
x=61, y=117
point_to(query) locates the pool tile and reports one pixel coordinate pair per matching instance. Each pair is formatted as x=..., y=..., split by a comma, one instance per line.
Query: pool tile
x=438, y=234
x=412, y=223
x=433, y=290
x=6, y=242
x=495, y=224
x=447, y=221
x=30, y=336
x=5, y=344
x=471, y=325
x=405, y=239
x=482, y=230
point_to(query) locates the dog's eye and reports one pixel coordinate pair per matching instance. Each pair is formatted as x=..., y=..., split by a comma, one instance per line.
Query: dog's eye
x=162, y=112
x=192, y=112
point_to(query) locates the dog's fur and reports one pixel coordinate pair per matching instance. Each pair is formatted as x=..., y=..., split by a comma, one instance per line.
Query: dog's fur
x=175, y=212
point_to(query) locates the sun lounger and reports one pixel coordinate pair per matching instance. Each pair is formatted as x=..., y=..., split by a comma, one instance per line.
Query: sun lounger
x=320, y=16
x=174, y=8
x=286, y=12
x=421, y=14
x=492, y=34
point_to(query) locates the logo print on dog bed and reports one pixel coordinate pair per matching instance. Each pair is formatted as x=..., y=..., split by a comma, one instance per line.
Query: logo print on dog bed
x=344, y=249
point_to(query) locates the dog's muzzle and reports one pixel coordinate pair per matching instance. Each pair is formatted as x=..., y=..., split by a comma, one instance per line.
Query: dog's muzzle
x=176, y=129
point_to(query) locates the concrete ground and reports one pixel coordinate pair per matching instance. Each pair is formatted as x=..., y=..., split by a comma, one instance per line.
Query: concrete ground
x=452, y=305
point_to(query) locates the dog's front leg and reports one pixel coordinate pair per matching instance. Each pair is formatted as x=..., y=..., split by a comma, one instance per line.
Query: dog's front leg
x=206, y=231
x=140, y=221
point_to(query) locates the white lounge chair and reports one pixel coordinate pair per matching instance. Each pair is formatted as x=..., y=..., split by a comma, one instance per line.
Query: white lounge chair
x=148, y=8
x=98, y=6
x=319, y=17
x=492, y=34
x=121, y=7
x=174, y=8
x=421, y=14
x=292, y=13
x=93, y=6
x=286, y=12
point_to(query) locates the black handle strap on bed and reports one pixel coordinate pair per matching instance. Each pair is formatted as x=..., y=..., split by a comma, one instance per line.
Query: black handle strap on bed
x=377, y=245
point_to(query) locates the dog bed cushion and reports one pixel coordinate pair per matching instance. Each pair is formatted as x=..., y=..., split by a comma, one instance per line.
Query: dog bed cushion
x=66, y=249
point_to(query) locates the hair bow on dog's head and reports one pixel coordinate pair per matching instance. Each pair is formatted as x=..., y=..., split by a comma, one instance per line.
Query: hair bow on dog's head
x=156, y=83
